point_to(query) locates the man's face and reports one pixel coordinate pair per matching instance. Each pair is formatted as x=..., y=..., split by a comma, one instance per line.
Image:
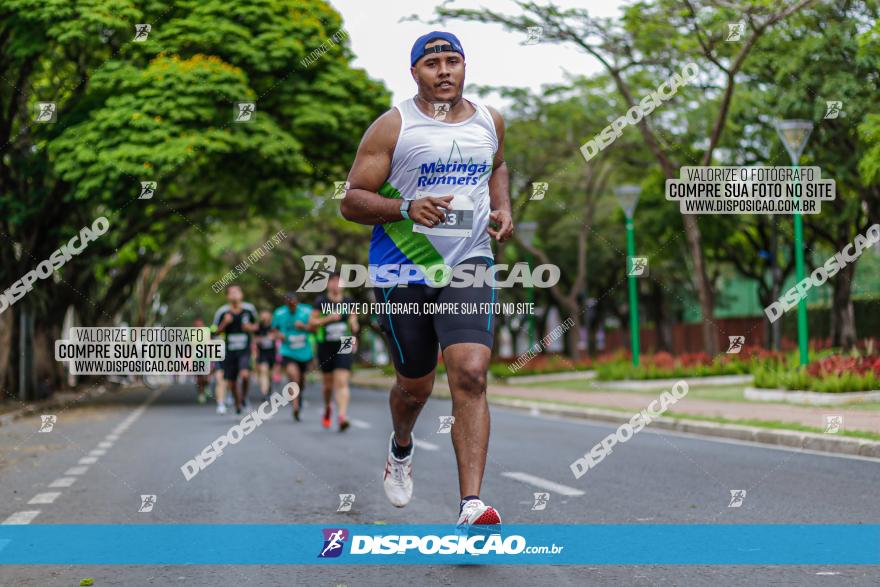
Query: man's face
x=440, y=76
x=333, y=286
x=266, y=317
x=234, y=295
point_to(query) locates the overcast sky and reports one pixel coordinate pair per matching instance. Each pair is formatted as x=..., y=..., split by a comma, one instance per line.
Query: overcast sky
x=494, y=56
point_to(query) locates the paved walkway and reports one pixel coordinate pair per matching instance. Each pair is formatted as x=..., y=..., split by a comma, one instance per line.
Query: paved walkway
x=853, y=419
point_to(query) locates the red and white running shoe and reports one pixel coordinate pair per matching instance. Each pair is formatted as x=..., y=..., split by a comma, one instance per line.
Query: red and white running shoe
x=476, y=513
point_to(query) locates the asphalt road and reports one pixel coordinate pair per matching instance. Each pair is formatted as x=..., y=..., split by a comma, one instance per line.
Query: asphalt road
x=289, y=473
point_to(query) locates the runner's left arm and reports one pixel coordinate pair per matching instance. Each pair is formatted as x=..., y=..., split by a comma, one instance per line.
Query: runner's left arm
x=499, y=188
x=253, y=325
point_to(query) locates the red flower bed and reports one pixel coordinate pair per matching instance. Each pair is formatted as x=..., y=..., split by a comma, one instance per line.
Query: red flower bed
x=840, y=365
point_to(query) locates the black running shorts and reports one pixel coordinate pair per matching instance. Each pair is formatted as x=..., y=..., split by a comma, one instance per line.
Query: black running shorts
x=236, y=362
x=266, y=356
x=329, y=357
x=303, y=365
x=413, y=338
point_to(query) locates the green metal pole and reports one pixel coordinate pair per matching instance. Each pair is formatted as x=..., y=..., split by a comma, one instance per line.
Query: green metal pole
x=803, y=337
x=633, y=292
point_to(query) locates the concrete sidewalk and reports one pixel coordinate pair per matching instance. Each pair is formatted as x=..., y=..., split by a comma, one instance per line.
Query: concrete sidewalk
x=804, y=415
x=602, y=405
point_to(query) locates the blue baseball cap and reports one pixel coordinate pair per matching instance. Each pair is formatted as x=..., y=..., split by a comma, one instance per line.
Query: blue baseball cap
x=419, y=51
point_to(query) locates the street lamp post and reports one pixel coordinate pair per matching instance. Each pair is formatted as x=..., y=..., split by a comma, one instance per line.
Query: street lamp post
x=628, y=197
x=794, y=135
x=527, y=232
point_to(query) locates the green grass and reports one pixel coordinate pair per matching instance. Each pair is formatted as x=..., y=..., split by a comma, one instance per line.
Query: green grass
x=799, y=379
x=727, y=393
x=625, y=370
x=776, y=425
x=722, y=393
x=770, y=424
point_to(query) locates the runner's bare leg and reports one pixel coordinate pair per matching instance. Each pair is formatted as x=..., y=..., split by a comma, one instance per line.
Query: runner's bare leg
x=408, y=397
x=466, y=365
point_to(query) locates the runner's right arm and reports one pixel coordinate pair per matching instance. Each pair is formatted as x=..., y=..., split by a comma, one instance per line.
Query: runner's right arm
x=372, y=167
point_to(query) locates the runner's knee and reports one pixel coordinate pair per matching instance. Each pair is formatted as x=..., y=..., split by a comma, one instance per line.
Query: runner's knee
x=470, y=378
x=415, y=390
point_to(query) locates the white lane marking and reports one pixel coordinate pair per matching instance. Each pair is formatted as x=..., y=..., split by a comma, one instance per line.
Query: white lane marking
x=425, y=445
x=105, y=444
x=360, y=424
x=63, y=482
x=542, y=483
x=827, y=573
x=21, y=518
x=48, y=497
x=695, y=436
x=25, y=517
x=113, y=437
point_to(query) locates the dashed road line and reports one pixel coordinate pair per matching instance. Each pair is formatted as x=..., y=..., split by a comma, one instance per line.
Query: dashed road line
x=44, y=498
x=360, y=424
x=21, y=518
x=49, y=497
x=542, y=483
x=424, y=444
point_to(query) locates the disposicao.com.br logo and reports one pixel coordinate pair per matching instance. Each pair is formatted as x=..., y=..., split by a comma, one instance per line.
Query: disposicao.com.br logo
x=450, y=544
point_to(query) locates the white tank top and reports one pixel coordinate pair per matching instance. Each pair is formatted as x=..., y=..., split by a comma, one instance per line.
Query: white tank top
x=437, y=158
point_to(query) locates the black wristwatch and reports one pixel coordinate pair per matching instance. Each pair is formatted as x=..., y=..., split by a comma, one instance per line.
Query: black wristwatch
x=404, y=208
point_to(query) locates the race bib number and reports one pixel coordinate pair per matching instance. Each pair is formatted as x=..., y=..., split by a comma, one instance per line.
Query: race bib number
x=236, y=342
x=296, y=341
x=336, y=330
x=266, y=342
x=459, y=221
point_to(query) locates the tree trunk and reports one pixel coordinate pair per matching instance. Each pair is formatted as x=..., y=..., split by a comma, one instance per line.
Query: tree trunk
x=49, y=372
x=663, y=325
x=702, y=283
x=843, y=321
x=573, y=337
x=7, y=328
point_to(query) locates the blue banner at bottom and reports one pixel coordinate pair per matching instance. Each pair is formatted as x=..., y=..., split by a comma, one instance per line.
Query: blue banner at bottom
x=672, y=544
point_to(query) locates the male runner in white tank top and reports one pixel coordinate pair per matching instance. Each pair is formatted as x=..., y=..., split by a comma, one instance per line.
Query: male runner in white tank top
x=430, y=177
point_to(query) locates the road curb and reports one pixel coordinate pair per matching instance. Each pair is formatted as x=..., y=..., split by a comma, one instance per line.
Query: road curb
x=51, y=404
x=788, y=438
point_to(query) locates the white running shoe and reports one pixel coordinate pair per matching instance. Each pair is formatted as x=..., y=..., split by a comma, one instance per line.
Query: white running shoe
x=398, y=479
x=221, y=409
x=476, y=513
